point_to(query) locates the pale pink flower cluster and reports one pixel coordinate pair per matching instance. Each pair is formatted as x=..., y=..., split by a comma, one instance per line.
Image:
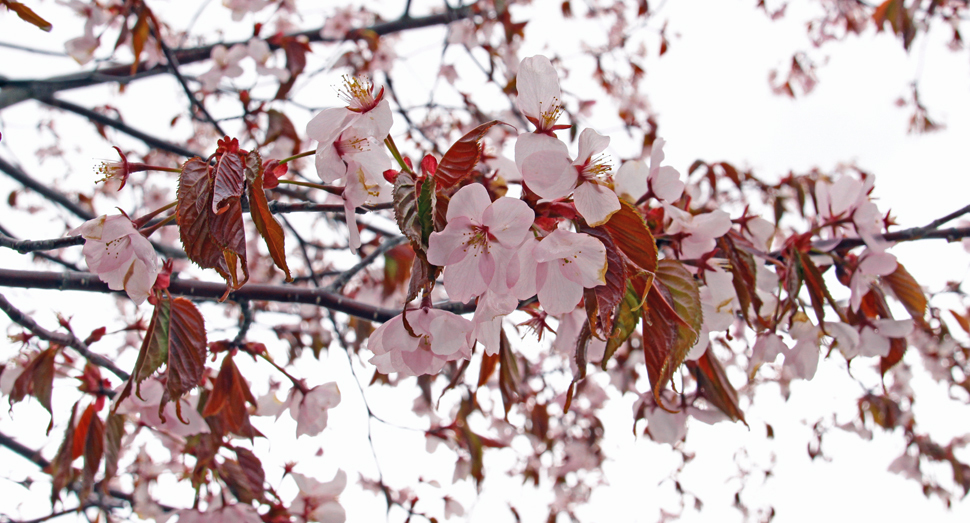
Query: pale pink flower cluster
x=635, y=179
x=225, y=63
x=351, y=147
x=438, y=337
x=120, y=255
x=701, y=231
x=544, y=160
x=82, y=48
x=848, y=199
x=308, y=410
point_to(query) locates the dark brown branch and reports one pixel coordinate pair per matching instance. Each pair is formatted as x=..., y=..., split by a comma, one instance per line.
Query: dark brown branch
x=45, y=191
x=173, y=63
x=97, y=117
x=66, y=339
x=27, y=246
x=85, y=281
x=8, y=236
x=16, y=91
x=914, y=234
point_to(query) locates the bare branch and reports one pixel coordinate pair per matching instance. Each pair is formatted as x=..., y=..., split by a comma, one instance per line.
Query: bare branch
x=45, y=191
x=16, y=91
x=67, y=339
x=97, y=117
x=27, y=246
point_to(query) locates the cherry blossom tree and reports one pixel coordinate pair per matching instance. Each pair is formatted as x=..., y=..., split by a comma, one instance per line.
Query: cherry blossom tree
x=474, y=247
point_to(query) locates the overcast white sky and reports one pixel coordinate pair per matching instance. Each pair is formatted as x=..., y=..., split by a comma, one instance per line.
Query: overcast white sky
x=713, y=101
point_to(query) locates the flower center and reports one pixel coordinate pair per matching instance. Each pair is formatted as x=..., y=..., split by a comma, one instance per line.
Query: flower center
x=358, y=93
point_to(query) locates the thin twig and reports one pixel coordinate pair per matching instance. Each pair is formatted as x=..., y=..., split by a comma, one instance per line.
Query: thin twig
x=389, y=243
x=97, y=117
x=303, y=250
x=245, y=322
x=68, y=339
x=45, y=191
x=173, y=65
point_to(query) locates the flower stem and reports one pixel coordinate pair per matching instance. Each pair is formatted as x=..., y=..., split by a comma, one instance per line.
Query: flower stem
x=140, y=222
x=329, y=188
x=294, y=157
x=150, y=230
x=391, y=146
x=299, y=384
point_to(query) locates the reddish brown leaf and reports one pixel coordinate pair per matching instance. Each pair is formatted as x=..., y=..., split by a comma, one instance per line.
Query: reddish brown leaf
x=93, y=452
x=817, y=290
x=37, y=380
x=962, y=319
x=228, y=179
x=228, y=399
x=744, y=275
x=244, y=476
x=139, y=35
x=714, y=386
x=280, y=126
x=114, y=432
x=266, y=224
x=153, y=352
x=671, y=322
x=186, y=352
x=60, y=467
x=907, y=291
x=632, y=237
x=624, y=323
x=489, y=363
x=601, y=301
x=508, y=377
x=27, y=15
x=397, y=269
x=212, y=241
x=897, y=349
x=463, y=156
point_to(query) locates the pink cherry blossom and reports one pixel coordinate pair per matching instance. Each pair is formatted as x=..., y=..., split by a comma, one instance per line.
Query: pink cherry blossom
x=537, y=84
x=802, y=360
x=701, y=230
x=240, y=8
x=848, y=198
x=765, y=350
x=369, y=113
x=119, y=255
x=317, y=501
x=871, y=265
x=219, y=513
x=261, y=53
x=225, y=63
x=634, y=178
x=872, y=339
x=440, y=337
x=480, y=235
x=152, y=391
x=567, y=263
x=310, y=410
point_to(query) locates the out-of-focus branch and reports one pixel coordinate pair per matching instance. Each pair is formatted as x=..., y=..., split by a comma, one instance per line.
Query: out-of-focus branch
x=338, y=283
x=16, y=91
x=97, y=117
x=67, y=339
x=173, y=64
x=914, y=234
x=85, y=281
x=26, y=246
x=45, y=191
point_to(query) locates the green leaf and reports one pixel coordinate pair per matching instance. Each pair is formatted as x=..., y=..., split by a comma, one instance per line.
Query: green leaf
x=624, y=323
x=426, y=209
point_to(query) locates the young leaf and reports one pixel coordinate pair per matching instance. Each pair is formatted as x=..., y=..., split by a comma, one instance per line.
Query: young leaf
x=139, y=35
x=671, y=322
x=406, y=211
x=186, y=352
x=227, y=402
x=812, y=277
x=632, y=237
x=601, y=301
x=907, y=291
x=714, y=386
x=744, y=275
x=93, y=452
x=897, y=349
x=266, y=224
x=508, y=377
x=114, y=432
x=227, y=182
x=37, y=380
x=212, y=241
x=463, y=156
x=426, y=209
x=27, y=15
x=624, y=323
x=60, y=467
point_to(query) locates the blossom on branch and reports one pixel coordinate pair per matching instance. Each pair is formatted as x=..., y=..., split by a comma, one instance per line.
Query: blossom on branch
x=634, y=179
x=317, y=501
x=119, y=255
x=438, y=337
x=568, y=262
x=537, y=84
x=310, y=410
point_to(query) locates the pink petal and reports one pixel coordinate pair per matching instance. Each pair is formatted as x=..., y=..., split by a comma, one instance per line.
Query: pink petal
x=537, y=84
x=327, y=125
x=528, y=144
x=509, y=220
x=470, y=202
x=630, y=180
x=450, y=245
x=549, y=174
x=464, y=280
x=330, y=167
x=591, y=143
x=666, y=184
x=595, y=203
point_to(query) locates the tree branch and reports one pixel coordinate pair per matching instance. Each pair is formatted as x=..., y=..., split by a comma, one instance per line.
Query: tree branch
x=97, y=117
x=27, y=246
x=45, y=191
x=338, y=283
x=16, y=91
x=67, y=339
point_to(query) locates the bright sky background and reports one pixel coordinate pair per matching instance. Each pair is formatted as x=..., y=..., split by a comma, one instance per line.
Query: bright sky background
x=713, y=101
